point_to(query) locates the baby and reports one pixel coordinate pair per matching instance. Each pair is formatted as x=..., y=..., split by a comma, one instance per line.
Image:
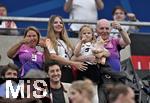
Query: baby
x=98, y=50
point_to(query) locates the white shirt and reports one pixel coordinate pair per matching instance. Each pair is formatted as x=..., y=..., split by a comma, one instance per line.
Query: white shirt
x=83, y=10
x=63, y=51
x=86, y=49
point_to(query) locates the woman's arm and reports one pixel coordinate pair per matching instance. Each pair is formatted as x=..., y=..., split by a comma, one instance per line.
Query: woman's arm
x=50, y=54
x=79, y=65
x=13, y=50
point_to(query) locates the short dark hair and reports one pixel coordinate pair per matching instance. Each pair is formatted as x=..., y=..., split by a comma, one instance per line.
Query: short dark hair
x=50, y=63
x=9, y=66
x=119, y=7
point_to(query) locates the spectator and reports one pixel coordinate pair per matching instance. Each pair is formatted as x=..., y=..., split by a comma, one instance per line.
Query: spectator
x=84, y=52
x=7, y=24
x=81, y=92
x=34, y=75
x=25, y=53
x=60, y=48
x=120, y=14
x=114, y=45
x=121, y=94
x=58, y=90
x=78, y=8
x=9, y=71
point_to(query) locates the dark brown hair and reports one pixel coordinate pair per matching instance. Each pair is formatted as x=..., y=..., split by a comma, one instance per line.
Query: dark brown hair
x=119, y=7
x=9, y=66
x=49, y=64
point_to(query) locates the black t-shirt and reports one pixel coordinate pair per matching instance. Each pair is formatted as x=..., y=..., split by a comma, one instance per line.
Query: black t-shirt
x=58, y=95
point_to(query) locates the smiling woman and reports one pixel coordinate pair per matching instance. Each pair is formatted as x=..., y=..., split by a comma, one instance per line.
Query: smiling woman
x=25, y=54
x=60, y=49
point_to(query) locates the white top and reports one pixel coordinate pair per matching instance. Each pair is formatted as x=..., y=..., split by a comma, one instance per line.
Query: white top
x=83, y=10
x=63, y=51
x=86, y=49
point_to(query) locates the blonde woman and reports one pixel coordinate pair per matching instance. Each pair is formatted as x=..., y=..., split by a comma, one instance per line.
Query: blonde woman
x=60, y=49
x=81, y=91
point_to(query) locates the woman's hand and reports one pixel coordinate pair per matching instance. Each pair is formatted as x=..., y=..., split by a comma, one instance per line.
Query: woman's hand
x=80, y=66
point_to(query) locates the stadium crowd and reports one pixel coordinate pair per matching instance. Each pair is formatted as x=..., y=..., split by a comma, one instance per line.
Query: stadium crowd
x=89, y=72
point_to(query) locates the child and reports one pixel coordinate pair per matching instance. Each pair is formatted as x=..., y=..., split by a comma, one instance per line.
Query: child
x=99, y=49
x=84, y=52
x=85, y=45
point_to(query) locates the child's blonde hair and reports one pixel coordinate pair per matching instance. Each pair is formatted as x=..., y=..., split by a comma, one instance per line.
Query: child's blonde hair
x=88, y=26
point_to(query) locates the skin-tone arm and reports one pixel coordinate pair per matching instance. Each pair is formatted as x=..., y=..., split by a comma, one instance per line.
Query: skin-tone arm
x=125, y=40
x=68, y=6
x=99, y=4
x=13, y=50
x=51, y=55
x=81, y=58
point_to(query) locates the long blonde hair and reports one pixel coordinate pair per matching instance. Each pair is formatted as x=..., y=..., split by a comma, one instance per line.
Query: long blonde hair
x=52, y=36
x=90, y=27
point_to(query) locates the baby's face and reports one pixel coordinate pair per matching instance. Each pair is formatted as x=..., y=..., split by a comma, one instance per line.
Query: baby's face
x=87, y=34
